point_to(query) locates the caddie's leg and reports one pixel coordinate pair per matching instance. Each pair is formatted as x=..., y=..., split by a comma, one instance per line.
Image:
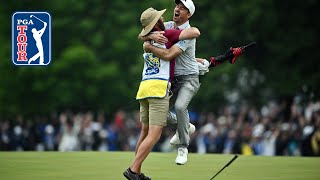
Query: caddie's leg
x=143, y=135
x=144, y=118
x=158, y=110
x=146, y=147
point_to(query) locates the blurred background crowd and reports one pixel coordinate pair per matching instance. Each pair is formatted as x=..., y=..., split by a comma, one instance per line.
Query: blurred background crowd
x=267, y=103
x=277, y=128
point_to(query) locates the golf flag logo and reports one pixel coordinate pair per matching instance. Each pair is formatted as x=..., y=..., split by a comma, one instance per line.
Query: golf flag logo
x=31, y=38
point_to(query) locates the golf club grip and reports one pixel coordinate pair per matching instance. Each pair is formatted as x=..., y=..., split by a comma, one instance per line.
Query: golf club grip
x=234, y=158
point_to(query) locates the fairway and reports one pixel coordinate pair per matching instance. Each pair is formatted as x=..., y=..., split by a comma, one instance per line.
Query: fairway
x=160, y=166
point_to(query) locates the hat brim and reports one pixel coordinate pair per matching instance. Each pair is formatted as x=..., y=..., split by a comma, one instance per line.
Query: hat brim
x=150, y=26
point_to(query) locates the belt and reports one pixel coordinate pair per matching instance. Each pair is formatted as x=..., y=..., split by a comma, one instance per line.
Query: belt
x=182, y=77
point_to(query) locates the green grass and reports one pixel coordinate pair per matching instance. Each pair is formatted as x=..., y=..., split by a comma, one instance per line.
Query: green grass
x=160, y=166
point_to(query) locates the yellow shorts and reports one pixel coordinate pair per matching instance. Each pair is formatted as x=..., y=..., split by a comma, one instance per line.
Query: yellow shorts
x=154, y=111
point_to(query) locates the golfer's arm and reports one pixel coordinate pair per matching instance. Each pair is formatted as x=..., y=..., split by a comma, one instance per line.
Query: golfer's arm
x=43, y=29
x=165, y=54
x=189, y=33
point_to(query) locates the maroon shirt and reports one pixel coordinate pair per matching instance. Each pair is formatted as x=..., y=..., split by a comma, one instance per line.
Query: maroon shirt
x=173, y=37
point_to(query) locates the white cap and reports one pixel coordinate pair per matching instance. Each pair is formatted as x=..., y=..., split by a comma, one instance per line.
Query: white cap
x=188, y=4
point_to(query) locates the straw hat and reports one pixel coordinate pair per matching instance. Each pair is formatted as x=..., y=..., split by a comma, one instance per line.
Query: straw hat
x=149, y=18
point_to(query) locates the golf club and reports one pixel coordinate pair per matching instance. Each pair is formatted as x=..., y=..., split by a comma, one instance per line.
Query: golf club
x=36, y=18
x=234, y=158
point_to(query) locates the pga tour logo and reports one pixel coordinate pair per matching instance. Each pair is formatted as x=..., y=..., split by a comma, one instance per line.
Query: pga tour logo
x=31, y=38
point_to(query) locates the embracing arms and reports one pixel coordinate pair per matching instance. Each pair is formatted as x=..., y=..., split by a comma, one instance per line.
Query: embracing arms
x=165, y=54
x=158, y=37
x=171, y=34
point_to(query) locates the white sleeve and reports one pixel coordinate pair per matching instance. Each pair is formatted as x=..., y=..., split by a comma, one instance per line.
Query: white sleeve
x=184, y=44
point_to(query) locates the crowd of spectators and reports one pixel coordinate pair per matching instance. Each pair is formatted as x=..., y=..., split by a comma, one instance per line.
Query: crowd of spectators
x=277, y=128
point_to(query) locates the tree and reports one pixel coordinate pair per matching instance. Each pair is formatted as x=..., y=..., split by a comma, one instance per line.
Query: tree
x=96, y=56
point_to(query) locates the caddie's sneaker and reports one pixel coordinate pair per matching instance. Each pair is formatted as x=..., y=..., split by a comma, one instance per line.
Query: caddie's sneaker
x=175, y=139
x=144, y=177
x=131, y=176
x=182, y=156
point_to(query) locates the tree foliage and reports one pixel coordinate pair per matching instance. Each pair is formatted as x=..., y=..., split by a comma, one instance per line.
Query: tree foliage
x=96, y=56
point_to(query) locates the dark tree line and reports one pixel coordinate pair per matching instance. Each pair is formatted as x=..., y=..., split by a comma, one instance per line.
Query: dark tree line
x=96, y=56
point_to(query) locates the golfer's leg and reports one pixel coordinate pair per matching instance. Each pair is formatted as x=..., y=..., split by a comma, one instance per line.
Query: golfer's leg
x=172, y=120
x=171, y=117
x=41, y=55
x=186, y=93
x=181, y=105
x=33, y=58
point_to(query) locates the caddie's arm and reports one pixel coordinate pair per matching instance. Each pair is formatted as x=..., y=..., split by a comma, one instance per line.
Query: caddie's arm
x=165, y=54
x=189, y=33
x=157, y=37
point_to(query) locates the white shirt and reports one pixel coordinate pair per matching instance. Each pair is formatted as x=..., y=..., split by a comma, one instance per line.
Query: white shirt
x=186, y=63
